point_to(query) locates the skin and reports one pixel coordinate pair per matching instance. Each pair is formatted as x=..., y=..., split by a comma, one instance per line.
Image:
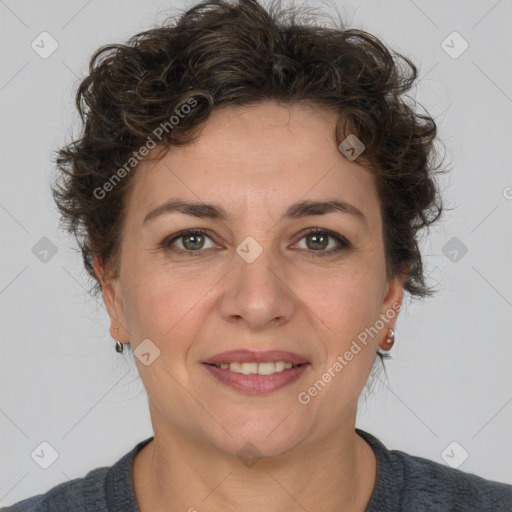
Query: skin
x=254, y=161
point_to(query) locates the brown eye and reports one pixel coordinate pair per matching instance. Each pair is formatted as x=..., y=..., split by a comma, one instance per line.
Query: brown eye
x=189, y=241
x=317, y=240
x=193, y=241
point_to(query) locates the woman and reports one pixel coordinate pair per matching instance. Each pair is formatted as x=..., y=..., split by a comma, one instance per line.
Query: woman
x=247, y=194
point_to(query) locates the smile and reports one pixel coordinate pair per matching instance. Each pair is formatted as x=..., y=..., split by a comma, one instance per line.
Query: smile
x=267, y=368
x=256, y=378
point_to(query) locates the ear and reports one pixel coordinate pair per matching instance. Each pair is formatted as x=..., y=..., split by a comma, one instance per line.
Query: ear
x=113, y=302
x=392, y=301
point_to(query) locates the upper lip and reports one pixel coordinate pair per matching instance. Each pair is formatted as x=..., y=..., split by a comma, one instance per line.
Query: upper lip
x=248, y=356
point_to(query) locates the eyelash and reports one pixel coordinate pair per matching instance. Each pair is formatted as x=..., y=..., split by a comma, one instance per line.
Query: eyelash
x=344, y=243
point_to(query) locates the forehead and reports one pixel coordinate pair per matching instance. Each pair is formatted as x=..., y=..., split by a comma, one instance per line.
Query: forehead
x=267, y=154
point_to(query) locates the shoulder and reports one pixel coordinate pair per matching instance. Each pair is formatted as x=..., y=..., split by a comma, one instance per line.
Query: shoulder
x=76, y=493
x=428, y=484
x=104, y=489
x=419, y=484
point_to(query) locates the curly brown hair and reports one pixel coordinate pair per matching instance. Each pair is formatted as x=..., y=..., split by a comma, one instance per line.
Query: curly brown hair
x=218, y=54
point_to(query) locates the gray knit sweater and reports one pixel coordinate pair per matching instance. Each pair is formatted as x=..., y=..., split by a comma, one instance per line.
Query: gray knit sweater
x=404, y=483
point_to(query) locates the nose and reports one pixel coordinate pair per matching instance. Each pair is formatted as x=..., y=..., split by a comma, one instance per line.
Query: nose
x=258, y=292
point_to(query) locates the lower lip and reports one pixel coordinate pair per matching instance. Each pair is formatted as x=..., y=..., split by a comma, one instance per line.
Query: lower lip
x=257, y=384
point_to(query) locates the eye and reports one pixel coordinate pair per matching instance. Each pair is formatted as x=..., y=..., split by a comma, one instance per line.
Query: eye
x=192, y=240
x=317, y=240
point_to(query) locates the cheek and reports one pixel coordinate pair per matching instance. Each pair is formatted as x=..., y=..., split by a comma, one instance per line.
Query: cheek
x=346, y=307
x=161, y=303
x=348, y=296
x=349, y=348
x=150, y=302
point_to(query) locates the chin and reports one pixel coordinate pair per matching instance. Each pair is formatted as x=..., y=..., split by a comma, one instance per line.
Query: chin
x=266, y=436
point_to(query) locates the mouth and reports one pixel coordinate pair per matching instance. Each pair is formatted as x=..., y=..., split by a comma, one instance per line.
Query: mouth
x=244, y=356
x=251, y=368
x=256, y=372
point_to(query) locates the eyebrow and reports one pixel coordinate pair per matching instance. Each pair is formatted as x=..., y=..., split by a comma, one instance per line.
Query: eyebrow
x=294, y=211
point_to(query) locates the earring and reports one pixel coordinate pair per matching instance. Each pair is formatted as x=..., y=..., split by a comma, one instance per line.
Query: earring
x=389, y=342
x=119, y=345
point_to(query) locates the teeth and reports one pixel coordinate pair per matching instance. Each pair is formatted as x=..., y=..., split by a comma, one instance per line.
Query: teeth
x=256, y=368
x=280, y=366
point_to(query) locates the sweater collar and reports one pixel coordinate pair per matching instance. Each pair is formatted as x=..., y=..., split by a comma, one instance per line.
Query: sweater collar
x=121, y=498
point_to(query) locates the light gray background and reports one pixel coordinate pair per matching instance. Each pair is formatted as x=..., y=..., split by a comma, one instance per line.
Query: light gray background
x=449, y=379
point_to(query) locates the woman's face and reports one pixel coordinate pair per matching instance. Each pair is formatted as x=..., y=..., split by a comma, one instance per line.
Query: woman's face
x=253, y=280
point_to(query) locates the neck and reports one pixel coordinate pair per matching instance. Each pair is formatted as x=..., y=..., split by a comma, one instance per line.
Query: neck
x=175, y=473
